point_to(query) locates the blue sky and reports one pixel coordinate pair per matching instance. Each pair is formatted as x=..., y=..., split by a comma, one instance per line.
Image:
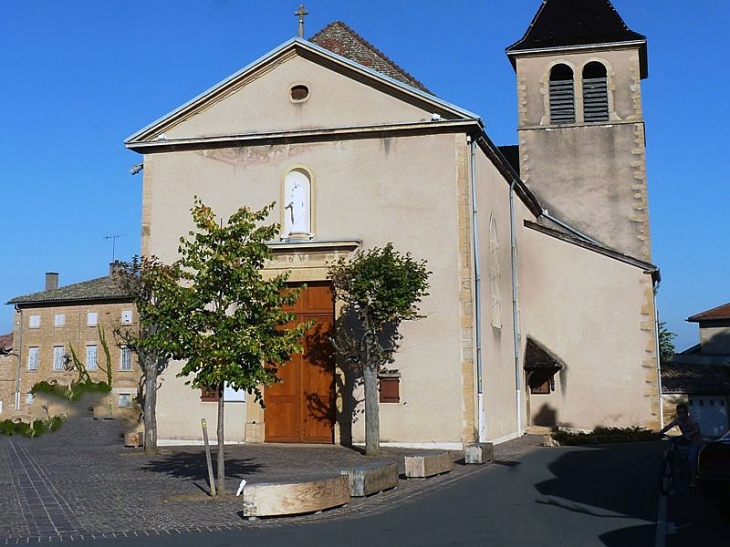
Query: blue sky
x=79, y=76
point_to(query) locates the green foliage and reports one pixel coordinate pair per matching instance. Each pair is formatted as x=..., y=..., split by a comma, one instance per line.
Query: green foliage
x=38, y=427
x=381, y=288
x=604, y=435
x=227, y=321
x=153, y=286
x=666, y=343
x=77, y=390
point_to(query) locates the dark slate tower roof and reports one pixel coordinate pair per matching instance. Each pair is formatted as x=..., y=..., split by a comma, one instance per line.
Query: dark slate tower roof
x=562, y=24
x=338, y=38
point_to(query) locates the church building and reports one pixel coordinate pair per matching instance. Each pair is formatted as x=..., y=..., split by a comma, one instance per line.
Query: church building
x=541, y=311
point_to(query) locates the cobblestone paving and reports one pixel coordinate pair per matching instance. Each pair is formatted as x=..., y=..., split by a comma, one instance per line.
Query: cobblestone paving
x=80, y=482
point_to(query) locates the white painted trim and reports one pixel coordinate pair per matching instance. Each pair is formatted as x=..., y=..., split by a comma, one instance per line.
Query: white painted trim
x=508, y=437
x=421, y=446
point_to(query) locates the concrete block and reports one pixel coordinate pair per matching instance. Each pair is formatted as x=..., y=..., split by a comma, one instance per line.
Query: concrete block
x=478, y=453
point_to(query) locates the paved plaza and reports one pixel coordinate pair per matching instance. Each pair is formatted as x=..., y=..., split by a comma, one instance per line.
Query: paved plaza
x=81, y=482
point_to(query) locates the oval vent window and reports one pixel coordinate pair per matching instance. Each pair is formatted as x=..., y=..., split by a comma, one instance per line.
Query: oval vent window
x=299, y=92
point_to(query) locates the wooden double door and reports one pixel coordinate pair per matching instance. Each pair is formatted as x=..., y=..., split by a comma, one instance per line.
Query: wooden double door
x=301, y=408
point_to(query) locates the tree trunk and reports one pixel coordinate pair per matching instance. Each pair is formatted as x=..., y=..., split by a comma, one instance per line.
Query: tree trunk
x=150, y=408
x=372, y=412
x=220, y=461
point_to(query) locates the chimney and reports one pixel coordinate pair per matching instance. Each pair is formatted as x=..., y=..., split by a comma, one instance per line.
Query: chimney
x=51, y=281
x=116, y=267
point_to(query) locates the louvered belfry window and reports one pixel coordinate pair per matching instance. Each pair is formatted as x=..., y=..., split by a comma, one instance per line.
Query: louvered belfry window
x=595, y=93
x=562, y=96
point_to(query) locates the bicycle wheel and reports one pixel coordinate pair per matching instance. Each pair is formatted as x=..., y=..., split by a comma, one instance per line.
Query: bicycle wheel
x=667, y=475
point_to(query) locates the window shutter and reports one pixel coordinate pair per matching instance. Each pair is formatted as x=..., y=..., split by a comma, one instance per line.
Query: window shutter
x=595, y=93
x=562, y=95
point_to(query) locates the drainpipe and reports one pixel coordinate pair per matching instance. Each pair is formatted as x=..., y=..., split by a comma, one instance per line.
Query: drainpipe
x=19, y=353
x=515, y=326
x=477, y=292
x=658, y=355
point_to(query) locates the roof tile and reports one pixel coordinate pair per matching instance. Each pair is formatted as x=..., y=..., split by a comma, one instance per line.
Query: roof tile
x=338, y=38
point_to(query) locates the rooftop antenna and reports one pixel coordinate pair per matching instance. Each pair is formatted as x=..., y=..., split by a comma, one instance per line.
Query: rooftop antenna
x=114, y=243
x=301, y=12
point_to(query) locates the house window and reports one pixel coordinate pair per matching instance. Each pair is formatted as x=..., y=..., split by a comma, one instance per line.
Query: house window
x=562, y=95
x=209, y=394
x=125, y=400
x=33, y=358
x=595, y=93
x=29, y=398
x=34, y=321
x=299, y=93
x=126, y=362
x=91, y=357
x=389, y=388
x=92, y=319
x=57, y=357
x=59, y=320
x=127, y=317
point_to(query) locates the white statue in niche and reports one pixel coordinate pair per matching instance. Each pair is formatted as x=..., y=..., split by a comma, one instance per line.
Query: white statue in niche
x=296, y=195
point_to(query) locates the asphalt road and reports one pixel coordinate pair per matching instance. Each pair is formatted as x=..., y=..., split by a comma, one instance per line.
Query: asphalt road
x=573, y=497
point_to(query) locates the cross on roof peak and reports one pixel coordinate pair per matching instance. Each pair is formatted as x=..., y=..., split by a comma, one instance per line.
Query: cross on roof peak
x=301, y=12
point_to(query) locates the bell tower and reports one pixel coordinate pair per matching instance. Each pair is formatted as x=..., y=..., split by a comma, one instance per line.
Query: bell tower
x=580, y=121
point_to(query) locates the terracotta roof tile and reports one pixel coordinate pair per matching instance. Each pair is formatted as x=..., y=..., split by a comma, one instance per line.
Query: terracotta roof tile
x=537, y=357
x=102, y=288
x=6, y=341
x=698, y=379
x=338, y=38
x=720, y=312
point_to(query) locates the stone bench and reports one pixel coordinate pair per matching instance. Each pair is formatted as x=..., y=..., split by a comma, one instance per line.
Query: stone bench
x=428, y=464
x=370, y=478
x=294, y=498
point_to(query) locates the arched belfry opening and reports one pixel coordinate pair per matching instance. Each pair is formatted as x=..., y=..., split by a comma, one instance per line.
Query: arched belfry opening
x=562, y=95
x=595, y=92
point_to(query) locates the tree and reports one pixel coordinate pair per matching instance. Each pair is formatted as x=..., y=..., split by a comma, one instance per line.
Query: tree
x=380, y=289
x=153, y=287
x=666, y=343
x=228, y=319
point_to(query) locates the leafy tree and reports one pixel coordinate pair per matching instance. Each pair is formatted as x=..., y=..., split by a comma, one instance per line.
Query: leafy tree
x=153, y=287
x=380, y=289
x=228, y=319
x=666, y=343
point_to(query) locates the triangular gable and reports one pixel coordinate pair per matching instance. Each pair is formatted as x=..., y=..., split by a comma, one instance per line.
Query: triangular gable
x=415, y=104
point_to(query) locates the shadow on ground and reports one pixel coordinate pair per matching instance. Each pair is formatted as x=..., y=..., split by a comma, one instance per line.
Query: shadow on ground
x=192, y=465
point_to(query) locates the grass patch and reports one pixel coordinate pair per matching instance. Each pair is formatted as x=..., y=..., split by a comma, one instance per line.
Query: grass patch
x=605, y=435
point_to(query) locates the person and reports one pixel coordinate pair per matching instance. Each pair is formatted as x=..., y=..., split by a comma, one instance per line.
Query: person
x=691, y=433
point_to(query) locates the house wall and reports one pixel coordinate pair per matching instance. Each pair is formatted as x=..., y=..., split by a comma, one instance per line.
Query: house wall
x=401, y=190
x=596, y=314
x=590, y=175
x=74, y=334
x=715, y=338
x=497, y=343
x=8, y=374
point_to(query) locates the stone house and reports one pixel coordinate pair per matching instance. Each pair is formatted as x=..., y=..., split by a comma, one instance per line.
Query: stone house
x=542, y=309
x=53, y=325
x=700, y=376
